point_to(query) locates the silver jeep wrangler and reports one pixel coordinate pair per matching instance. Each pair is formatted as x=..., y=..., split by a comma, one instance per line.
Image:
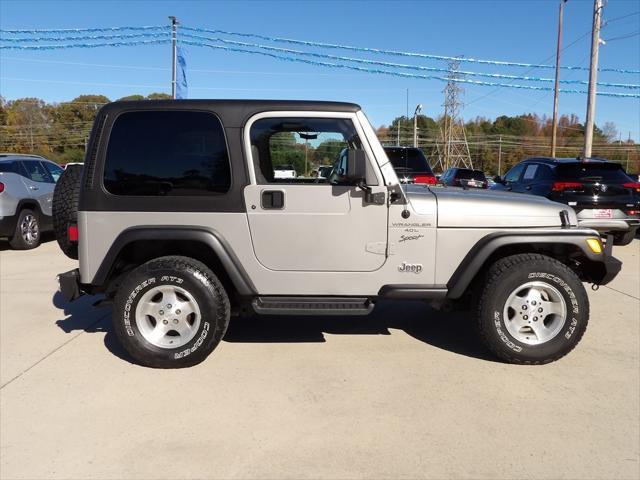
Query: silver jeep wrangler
x=180, y=218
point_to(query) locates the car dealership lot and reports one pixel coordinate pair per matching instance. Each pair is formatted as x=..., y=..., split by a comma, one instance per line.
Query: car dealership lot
x=386, y=396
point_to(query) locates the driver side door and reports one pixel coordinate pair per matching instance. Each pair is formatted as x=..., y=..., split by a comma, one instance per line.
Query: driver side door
x=307, y=223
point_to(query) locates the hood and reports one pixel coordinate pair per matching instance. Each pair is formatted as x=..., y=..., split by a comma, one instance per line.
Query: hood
x=476, y=208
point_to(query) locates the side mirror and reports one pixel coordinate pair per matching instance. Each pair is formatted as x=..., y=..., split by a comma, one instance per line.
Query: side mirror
x=356, y=166
x=498, y=179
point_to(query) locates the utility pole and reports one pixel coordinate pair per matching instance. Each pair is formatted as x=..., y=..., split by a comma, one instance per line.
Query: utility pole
x=500, y=155
x=554, y=124
x=174, y=54
x=415, y=124
x=593, y=76
x=398, y=139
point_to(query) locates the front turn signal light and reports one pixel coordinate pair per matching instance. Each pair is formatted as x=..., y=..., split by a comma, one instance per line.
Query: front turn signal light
x=594, y=245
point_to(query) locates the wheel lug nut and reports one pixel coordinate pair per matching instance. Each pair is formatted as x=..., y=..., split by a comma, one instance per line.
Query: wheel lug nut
x=175, y=320
x=161, y=312
x=165, y=321
x=540, y=310
x=168, y=305
x=526, y=317
x=533, y=303
x=535, y=319
x=524, y=307
x=178, y=312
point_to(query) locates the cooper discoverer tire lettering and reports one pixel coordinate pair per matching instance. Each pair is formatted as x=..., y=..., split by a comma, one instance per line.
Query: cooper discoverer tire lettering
x=531, y=309
x=171, y=312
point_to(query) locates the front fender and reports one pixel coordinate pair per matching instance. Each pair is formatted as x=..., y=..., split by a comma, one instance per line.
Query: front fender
x=488, y=245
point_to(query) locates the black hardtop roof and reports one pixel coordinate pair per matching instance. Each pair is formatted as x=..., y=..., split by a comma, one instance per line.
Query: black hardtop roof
x=233, y=113
x=565, y=160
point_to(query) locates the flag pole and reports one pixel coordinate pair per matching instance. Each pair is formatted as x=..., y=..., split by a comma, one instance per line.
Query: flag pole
x=174, y=54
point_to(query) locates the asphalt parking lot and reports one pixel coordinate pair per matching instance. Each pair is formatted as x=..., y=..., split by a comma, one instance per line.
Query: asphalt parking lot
x=405, y=393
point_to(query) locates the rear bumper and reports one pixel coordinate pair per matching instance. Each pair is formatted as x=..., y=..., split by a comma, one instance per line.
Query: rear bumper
x=8, y=225
x=609, y=224
x=69, y=284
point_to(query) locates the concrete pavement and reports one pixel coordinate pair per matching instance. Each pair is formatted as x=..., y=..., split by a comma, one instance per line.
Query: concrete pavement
x=405, y=393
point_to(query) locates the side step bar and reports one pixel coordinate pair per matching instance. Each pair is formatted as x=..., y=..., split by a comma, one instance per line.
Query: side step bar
x=312, y=305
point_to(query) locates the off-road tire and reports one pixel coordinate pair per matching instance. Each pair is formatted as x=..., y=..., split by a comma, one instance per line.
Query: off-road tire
x=504, y=277
x=17, y=241
x=622, y=239
x=173, y=271
x=65, y=208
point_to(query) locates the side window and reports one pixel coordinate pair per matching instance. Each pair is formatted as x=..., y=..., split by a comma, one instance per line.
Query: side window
x=36, y=172
x=167, y=153
x=544, y=173
x=513, y=175
x=290, y=150
x=54, y=170
x=530, y=172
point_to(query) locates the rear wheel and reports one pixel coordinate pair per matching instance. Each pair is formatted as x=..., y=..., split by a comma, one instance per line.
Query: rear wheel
x=532, y=309
x=622, y=239
x=27, y=233
x=171, y=312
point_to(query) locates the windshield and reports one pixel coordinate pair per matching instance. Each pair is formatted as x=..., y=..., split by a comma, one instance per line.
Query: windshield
x=283, y=167
x=609, y=172
x=467, y=174
x=408, y=160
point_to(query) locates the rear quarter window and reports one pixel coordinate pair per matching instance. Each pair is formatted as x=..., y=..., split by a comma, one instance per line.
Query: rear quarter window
x=167, y=153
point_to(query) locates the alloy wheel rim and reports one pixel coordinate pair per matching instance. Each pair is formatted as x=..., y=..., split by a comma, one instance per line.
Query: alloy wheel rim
x=168, y=316
x=29, y=229
x=535, y=313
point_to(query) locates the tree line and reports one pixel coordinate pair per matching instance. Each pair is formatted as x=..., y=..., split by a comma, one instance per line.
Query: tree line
x=501, y=143
x=60, y=131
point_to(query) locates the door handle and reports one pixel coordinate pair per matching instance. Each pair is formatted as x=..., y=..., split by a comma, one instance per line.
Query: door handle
x=33, y=187
x=528, y=187
x=272, y=199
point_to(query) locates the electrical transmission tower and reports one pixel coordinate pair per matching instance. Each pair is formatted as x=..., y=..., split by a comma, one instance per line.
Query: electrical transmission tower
x=453, y=149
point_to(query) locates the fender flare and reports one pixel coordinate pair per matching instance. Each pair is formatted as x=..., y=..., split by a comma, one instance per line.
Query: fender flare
x=482, y=250
x=210, y=238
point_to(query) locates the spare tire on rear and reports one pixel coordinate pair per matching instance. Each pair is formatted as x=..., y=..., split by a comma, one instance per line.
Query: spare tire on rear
x=65, y=208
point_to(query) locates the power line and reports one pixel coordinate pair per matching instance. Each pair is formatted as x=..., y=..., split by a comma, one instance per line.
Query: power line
x=397, y=74
x=395, y=52
x=77, y=30
x=400, y=65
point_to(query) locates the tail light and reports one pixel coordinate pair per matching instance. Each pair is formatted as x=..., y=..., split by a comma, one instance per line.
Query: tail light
x=562, y=186
x=633, y=212
x=1, y=187
x=425, y=179
x=72, y=233
x=634, y=185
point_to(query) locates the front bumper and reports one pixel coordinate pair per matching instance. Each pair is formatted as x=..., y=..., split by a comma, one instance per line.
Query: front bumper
x=612, y=267
x=69, y=284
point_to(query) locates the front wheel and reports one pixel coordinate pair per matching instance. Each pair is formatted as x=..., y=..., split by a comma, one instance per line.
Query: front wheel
x=532, y=309
x=171, y=312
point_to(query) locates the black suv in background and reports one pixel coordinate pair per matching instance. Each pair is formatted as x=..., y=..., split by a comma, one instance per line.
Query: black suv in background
x=602, y=194
x=464, y=177
x=411, y=165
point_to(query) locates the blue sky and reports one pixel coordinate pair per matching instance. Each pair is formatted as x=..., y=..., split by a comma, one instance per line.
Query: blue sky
x=516, y=30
